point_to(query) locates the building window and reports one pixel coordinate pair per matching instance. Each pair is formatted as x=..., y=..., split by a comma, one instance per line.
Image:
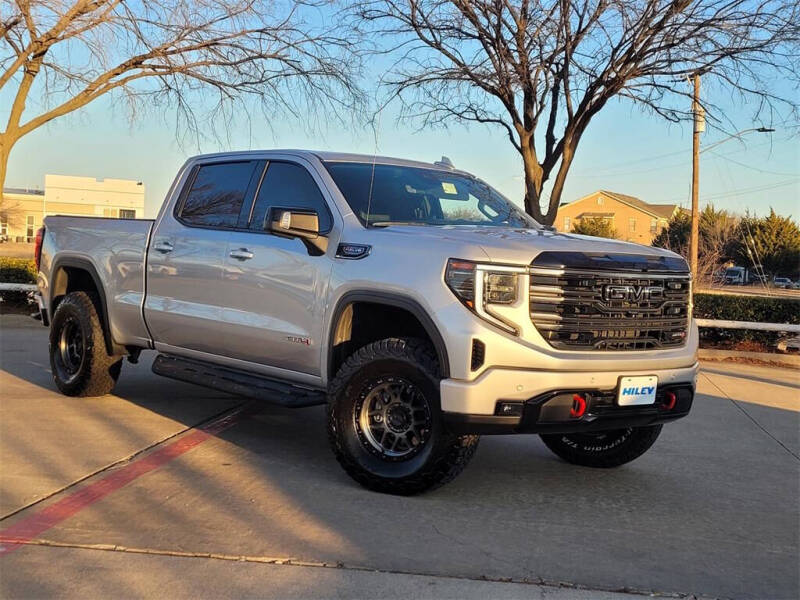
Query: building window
x=110, y=213
x=126, y=213
x=600, y=199
x=653, y=225
x=30, y=226
x=566, y=223
x=631, y=225
x=3, y=225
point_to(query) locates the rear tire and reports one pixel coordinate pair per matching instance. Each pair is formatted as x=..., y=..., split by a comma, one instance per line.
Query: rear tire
x=385, y=423
x=603, y=449
x=78, y=358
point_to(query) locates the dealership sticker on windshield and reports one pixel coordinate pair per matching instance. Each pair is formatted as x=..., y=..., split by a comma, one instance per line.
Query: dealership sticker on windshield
x=449, y=188
x=634, y=391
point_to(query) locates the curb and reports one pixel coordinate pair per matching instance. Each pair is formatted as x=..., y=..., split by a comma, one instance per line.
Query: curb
x=783, y=360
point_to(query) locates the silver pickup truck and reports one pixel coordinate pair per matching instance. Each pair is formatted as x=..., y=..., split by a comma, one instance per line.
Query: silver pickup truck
x=416, y=302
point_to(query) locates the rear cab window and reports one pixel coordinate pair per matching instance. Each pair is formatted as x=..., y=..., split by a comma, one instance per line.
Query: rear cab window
x=217, y=194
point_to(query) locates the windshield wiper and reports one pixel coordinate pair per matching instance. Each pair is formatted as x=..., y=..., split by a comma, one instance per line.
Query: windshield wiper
x=388, y=223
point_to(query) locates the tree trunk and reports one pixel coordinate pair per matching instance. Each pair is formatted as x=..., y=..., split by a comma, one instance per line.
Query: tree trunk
x=533, y=181
x=558, y=184
x=5, y=150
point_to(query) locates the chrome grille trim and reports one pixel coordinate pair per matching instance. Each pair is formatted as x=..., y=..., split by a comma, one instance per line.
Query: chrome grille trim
x=569, y=310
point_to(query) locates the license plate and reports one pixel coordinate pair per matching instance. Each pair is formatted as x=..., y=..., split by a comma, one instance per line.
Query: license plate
x=634, y=391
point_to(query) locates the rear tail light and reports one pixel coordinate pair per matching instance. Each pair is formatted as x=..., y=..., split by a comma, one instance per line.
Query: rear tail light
x=37, y=248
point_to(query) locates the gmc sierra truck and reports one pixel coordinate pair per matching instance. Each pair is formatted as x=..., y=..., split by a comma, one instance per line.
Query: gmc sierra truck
x=415, y=301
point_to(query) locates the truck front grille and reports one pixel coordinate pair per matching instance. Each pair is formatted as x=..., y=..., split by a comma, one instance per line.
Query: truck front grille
x=579, y=309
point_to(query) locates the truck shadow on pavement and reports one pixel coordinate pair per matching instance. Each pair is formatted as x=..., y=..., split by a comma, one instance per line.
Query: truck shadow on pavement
x=711, y=509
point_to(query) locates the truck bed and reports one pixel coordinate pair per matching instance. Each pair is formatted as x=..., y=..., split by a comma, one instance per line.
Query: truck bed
x=116, y=249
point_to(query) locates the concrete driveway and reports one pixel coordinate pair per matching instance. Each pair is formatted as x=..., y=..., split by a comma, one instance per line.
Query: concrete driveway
x=166, y=489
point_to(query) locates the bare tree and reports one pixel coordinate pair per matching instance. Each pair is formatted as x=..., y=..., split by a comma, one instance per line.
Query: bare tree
x=57, y=56
x=542, y=69
x=720, y=237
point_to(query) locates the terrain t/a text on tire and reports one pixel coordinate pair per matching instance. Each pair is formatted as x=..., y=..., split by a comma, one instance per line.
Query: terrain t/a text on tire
x=418, y=304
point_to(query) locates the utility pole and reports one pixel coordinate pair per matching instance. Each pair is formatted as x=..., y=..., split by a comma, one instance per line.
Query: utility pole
x=699, y=127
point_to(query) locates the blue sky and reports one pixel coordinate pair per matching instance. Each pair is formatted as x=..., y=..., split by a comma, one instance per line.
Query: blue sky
x=624, y=150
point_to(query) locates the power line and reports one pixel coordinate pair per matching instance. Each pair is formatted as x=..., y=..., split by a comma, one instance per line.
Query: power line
x=743, y=191
x=600, y=171
x=746, y=166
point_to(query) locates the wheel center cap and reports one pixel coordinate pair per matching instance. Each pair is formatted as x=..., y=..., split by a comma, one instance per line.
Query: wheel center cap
x=398, y=417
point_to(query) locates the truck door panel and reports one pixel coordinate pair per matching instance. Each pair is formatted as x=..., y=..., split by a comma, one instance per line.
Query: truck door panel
x=275, y=290
x=186, y=257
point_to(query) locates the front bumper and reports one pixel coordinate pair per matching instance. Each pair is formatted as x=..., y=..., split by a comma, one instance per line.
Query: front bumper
x=511, y=401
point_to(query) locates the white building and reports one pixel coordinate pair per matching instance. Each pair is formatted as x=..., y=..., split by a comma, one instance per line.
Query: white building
x=22, y=211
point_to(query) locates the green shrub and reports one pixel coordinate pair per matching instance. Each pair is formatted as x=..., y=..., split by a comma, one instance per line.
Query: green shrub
x=745, y=308
x=597, y=227
x=17, y=270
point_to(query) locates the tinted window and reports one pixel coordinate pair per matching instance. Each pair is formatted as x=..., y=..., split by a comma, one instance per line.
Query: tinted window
x=289, y=186
x=217, y=194
x=414, y=195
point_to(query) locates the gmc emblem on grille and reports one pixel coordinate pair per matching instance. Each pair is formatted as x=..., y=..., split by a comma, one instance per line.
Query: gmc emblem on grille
x=633, y=293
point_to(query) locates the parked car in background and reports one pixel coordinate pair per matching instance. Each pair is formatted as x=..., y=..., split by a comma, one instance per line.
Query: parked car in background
x=737, y=276
x=783, y=283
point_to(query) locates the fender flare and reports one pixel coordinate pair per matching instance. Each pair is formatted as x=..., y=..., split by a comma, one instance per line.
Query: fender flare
x=84, y=264
x=396, y=301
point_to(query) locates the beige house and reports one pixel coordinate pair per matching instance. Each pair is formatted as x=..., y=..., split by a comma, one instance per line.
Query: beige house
x=632, y=218
x=22, y=211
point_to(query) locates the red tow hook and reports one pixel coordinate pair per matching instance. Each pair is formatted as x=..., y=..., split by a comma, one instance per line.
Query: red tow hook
x=578, y=406
x=670, y=399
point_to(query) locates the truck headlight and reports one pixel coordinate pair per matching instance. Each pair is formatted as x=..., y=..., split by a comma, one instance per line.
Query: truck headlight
x=479, y=286
x=500, y=288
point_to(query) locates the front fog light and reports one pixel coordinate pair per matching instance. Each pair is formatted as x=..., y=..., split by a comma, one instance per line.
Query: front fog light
x=501, y=288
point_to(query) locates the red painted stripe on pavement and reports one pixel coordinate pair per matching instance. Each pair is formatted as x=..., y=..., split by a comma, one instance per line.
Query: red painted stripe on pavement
x=30, y=527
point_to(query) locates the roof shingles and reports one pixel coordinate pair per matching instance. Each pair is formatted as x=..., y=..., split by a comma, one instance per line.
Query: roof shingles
x=663, y=211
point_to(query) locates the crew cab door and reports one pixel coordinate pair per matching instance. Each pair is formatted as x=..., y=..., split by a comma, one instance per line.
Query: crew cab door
x=185, y=288
x=275, y=287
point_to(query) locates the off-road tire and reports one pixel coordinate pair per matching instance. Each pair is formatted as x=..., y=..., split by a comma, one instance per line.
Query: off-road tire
x=442, y=457
x=98, y=372
x=606, y=449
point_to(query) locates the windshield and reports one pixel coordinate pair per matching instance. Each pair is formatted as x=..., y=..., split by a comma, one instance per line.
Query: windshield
x=419, y=196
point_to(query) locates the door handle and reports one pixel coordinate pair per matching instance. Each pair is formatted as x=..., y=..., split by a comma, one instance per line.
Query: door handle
x=241, y=254
x=163, y=247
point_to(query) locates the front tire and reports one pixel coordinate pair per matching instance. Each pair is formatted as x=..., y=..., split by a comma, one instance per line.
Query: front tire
x=603, y=449
x=385, y=424
x=78, y=358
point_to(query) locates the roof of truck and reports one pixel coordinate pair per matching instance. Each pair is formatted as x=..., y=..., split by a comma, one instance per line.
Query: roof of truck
x=328, y=156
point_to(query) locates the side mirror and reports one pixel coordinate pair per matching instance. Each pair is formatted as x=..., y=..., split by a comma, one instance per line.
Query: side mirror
x=300, y=223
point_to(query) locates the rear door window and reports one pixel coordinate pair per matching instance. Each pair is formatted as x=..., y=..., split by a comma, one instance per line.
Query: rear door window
x=217, y=194
x=289, y=185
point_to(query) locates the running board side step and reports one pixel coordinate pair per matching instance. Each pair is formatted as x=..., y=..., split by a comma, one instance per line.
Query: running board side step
x=237, y=382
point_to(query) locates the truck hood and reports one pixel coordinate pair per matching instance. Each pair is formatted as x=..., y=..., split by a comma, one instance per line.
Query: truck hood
x=521, y=246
